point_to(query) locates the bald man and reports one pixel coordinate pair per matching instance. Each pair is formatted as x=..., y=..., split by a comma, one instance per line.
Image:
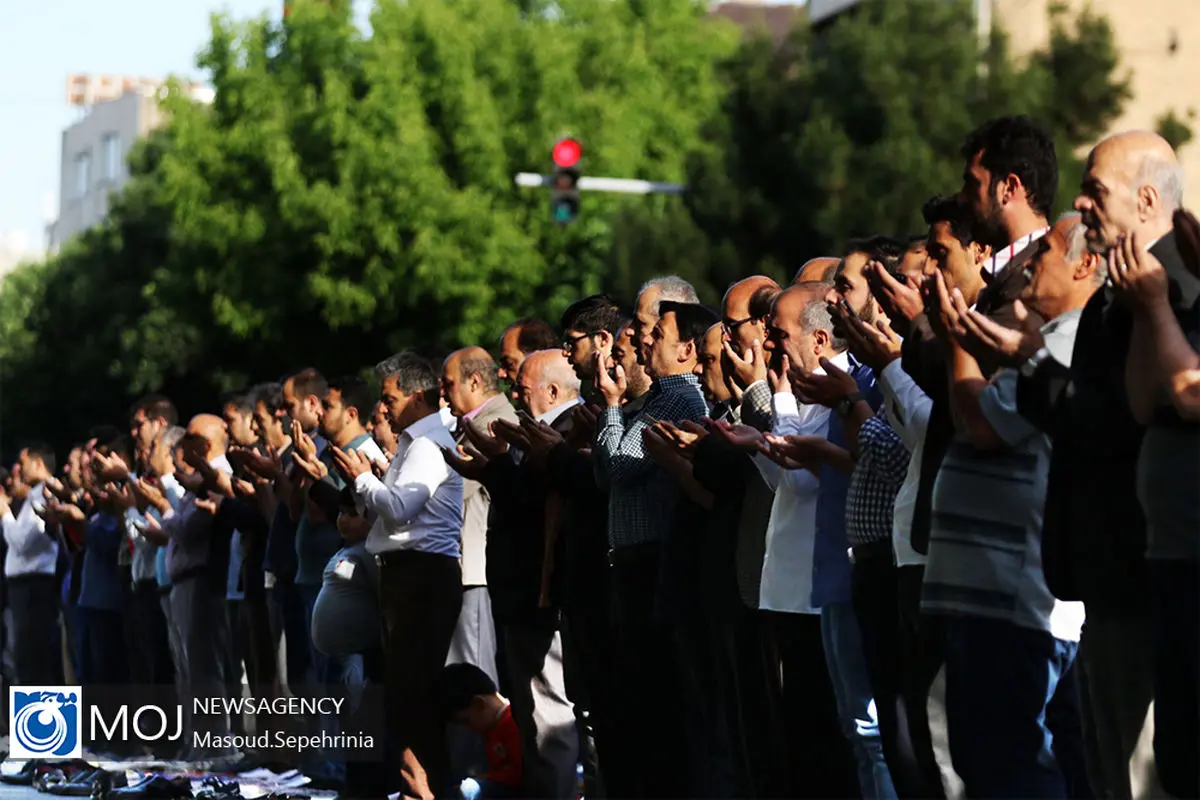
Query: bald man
x=524, y=603
x=1131, y=185
x=744, y=312
x=1136, y=604
x=820, y=268
x=197, y=562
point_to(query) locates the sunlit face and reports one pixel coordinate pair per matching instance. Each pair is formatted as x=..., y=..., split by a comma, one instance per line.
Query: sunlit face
x=1108, y=205
x=709, y=365
x=739, y=327
x=625, y=350
x=580, y=348
x=533, y=393
x=402, y=409
x=1054, y=279
x=850, y=283
x=668, y=355
x=144, y=431
x=785, y=334
x=334, y=414
x=644, y=319
x=241, y=426
x=455, y=391
x=956, y=262
x=981, y=197
x=305, y=410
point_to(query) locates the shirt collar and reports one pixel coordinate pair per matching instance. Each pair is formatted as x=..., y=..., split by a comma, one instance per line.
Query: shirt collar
x=221, y=463
x=553, y=414
x=447, y=419
x=426, y=424
x=675, y=382
x=1001, y=257
x=841, y=361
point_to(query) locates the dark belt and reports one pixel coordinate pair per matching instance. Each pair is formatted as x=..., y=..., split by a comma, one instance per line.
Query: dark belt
x=396, y=557
x=871, y=551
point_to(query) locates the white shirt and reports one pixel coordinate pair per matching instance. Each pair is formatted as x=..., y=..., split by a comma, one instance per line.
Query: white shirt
x=419, y=503
x=30, y=550
x=787, y=572
x=448, y=419
x=553, y=414
x=907, y=408
x=1001, y=257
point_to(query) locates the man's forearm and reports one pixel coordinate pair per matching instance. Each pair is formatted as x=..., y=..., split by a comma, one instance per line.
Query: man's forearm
x=1177, y=361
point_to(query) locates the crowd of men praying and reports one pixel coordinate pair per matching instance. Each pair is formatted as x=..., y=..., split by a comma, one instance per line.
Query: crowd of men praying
x=704, y=552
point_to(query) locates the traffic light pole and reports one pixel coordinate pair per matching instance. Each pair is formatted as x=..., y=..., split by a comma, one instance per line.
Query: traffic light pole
x=618, y=185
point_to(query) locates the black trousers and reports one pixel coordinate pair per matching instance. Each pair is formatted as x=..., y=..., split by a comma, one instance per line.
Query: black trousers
x=420, y=597
x=922, y=642
x=588, y=654
x=818, y=755
x=1175, y=590
x=153, y=650
x=37, y=634
x=650, y=753
x=893, y=664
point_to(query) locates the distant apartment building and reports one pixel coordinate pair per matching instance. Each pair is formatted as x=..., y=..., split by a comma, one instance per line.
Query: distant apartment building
x=1159, y=43
x=95, y=150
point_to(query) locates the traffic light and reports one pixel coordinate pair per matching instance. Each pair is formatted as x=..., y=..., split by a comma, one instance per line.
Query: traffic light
x=564, y=189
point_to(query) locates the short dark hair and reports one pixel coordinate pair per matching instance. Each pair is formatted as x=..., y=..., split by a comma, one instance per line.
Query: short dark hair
x=534, y=334
x=413, y=374
x=43, y=452
x=949, y=210
x=596, y=313
x=915, y=239
x=459, y=684
x=269, y=394
x=356, y=393
x=884, y=249
x=761, y=301
x=692, y=320
x=1017, y=146
x=242, y=401
x=155, y=406
x=482, y=365
x=308, y=382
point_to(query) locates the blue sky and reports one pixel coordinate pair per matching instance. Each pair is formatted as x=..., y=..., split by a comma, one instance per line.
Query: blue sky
x=43, y=41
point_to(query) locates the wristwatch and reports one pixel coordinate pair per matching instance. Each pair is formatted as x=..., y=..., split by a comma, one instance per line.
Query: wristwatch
x=848, y=402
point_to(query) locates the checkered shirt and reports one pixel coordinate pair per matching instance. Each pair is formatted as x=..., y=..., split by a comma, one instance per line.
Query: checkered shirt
x=879, y=470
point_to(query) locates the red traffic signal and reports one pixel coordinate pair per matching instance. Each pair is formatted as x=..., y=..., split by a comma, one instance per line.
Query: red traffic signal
x=567, y=153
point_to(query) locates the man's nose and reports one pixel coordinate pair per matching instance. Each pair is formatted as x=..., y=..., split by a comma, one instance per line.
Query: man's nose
x=833, y=296
x=1082, y=203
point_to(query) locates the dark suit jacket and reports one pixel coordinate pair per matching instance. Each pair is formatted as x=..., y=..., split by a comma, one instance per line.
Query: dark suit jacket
x=925, y=362
x=516, y=539
x=1094, y=534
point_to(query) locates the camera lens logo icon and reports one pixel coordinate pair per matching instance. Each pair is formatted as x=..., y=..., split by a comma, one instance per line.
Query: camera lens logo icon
x=44, y=722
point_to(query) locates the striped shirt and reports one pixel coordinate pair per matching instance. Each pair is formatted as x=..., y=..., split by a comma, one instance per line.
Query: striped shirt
x=1001, y=257
x=985, y=549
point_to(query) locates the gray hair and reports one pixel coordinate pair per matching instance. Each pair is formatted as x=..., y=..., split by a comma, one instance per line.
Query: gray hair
x=816, y=317
x=1165, y=176
x=413, y=373
x=1077, y=246
x=671, y=287
x=485, y=367
x=555, y=369
x=171, y=436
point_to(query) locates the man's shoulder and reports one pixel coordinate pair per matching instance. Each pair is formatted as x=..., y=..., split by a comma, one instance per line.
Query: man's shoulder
x=494, y=408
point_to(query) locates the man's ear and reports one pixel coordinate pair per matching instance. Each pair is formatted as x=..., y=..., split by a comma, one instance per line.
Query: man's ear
x=821, y=340
x=982, y=252
x=1087, y=266
x=688, y=352
x=1148, y=201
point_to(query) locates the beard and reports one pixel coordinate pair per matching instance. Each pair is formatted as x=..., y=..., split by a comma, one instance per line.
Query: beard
x=989, y=228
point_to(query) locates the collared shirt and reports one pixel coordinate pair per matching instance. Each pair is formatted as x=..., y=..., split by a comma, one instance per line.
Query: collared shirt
x=174, y=492
x=1001, y=257
x=449, y=421
x=642, y=496
x=908, y=410
x=29, y=550
x=190, y=530
x=553, y=414
x=789, y=574
x=879, y=471
x=419, y=503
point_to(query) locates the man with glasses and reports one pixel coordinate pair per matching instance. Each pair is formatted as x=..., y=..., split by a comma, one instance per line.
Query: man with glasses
x=745, y=310
x=590, y=326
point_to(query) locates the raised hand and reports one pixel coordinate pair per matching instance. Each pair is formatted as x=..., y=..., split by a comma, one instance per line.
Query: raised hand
x=741, y=437
x=781, y=382
x=302, y=444
x=513, y=433
x=489, y=446
x=151, y=495
x=983, y=337
x=749, y=367
x=658, y=447
x=826, y=390
x=1137, y=274
x=351, y=463
x=583, y=425
x=312, y=467
x=469, y=466
x=612, y=387
x=901, y=296
x=685, y=436
x=795, y=452
x=209, y=505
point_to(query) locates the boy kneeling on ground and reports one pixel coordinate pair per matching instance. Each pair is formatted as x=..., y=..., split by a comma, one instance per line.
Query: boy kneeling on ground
x=469, y=697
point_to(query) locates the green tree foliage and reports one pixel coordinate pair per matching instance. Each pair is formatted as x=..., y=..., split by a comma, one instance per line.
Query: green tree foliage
x=1176, y=129
x=348, y=194
x=845, y=131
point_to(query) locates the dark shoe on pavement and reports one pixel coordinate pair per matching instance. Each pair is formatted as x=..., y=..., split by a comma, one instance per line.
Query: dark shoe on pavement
x=217, y=789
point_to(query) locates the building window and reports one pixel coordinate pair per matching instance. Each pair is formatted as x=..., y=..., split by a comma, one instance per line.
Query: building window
x=83, y=173
x=112, y=157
